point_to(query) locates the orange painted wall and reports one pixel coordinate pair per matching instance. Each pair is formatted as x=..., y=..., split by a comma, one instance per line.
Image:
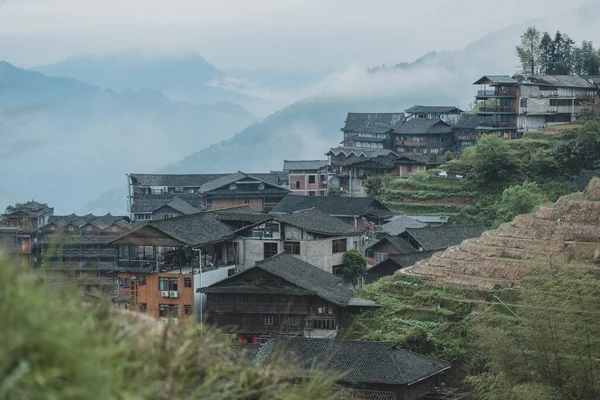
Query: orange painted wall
x=150, y=293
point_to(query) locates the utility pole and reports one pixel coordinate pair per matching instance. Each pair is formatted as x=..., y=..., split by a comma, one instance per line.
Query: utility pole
x=201, y=294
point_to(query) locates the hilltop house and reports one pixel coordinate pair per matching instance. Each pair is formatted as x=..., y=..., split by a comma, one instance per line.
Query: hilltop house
x=308, y=177
x=280, y=295
x=154, y=196
x=79, y=249
x=349, y=209
x=362, y=369
x=431, y=137
x=448, y=114
x=511, y=106
x=370, y=130
x=309, y=235
x=160, y=264
x=30, y=215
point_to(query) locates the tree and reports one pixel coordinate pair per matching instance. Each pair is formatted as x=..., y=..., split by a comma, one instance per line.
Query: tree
x=448, y=156
x=529, y=50
x=588, y=58
x=493, y=161
x=334, y=191
x=546, y=55
x=519, y=199
x=562, y=54
x=354, y=266
x=377, y=185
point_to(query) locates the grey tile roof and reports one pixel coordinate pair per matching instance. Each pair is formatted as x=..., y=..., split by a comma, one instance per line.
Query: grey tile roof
x=311, y=279
x=400, y=260
x=232, y=178
x=31, y=209
x=412, y=159
x=372, y=122
x=249, y=288
x=182, y=206
x=350, y=360
x=79, y=221
x=399, y=224
x=573, y=81
x=174, y=180
x=192, y=230
x=304, y=165
x=468, y=121
x=442, y=237
x=360, y=151
x=421, y=126
x=315, y=221
x=247, y=216
x=151, y=203
x=332, y=205
x=432, y=110
x=430, y=219
x=377, y=162
x=496, y=80
x=399, y=244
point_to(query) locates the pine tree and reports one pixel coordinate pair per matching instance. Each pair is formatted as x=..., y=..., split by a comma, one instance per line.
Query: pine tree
x=528, y=51
x=589, y=59
x=546, y=51
x=562, y=54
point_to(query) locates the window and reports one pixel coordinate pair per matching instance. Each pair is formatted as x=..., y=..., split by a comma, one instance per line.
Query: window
x=187, y=309
x=323, y=178
x=336, y=269
x=187, y=282
x=311, y=193
x=338, y=246
x=297, y=184
x=231, y=272
x=142, y=280
x=143, y=307
x=311, y=179
x=380, y=257
x=268, y=320
x=167, y=284
x=220, y=299
x=292, y=320
x=324, y=324
x=244, y=298
x=270, y=250
x=178, y=189
x=246, y=201
x=523, y=103
x=292, y=248
x=71, y=228
x=168, y=310
x=123, y=282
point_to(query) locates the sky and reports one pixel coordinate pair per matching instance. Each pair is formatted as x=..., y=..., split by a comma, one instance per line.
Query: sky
x=298, y=35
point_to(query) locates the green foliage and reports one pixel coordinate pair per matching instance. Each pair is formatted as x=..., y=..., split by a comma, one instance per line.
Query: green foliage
x=493, y=161
x=337, y=192
x=377, y=185
x=448, y=156
x=519, y=199
x=529, y=50
x=354, y=266
x=53, y=346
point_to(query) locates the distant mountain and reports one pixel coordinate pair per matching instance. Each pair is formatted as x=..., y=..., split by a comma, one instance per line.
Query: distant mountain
x=61, y=140
x=181, y=78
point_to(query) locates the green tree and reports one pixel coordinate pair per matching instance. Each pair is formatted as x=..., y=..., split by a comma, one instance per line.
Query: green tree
x=354, y=267
x=546, y=54
x=528, y=51
x=519, y=199
x=493, y=161
x=588, y=58
x=377, y=185
x=562, y=56
x=448, y=156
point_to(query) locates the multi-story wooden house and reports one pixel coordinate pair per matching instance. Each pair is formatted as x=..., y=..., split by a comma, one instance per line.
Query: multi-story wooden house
x=154, y=196
x=307, y=177
x=428, y=137
x=448, y=114
x=498, y=96
x=29, y=215
x=160, y=264
x=280, y=295
x=370, y=130
x=78, y=249
x=465, y=130
x=309, y=235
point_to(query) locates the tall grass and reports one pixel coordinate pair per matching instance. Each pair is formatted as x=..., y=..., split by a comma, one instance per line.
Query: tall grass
x=53, y=346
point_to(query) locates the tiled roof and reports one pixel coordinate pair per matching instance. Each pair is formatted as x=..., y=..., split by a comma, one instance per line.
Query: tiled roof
x=442, y=237
x=572, y=81
x=313, y=220
x=304, y=165
x=332, y=205
x=239, y=216
x=174, y=180
x=399, y=244
x=399, y=225
x=401, y=260
x=372, y=122
x=191, y=230
x=31, y=209
x=381, y=162
x=79, y=221
x=250, y=288
x=468, y=121
x=360, y=151
x=432, y=110
x=496, y=80
x=303, y=275
x=232, y=178
x=150, y=204
x=350, y=360
x=430, y=219
x=423, y=127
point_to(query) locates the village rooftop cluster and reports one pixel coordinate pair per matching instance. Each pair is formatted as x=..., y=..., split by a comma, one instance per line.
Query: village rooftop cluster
x=260, y=255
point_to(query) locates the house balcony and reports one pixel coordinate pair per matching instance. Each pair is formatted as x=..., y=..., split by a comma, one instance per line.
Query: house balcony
x=261, y=308
x=497, y=125
x=498, y=110
x=485, y=94
x=497, y=93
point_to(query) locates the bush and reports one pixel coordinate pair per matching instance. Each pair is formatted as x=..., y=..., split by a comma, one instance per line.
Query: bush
x=519, y=199
x=494, y=161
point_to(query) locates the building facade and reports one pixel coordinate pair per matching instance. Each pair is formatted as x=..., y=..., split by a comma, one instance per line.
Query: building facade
x=448, y=114
x=427, y=137
x=308, y=177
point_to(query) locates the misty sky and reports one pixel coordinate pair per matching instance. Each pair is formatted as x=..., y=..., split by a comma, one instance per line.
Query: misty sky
x=286, y=34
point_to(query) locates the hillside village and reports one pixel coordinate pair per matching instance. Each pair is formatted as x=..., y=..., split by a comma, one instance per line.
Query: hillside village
x=293, y=258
